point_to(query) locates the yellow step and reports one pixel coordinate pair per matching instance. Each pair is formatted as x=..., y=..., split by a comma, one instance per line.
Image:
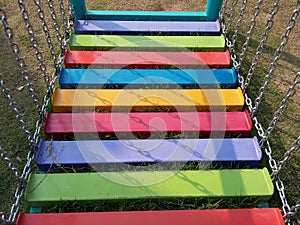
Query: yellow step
x=68, y=100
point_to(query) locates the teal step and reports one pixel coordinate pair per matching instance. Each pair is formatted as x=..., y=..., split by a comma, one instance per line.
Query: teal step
x=211, y=13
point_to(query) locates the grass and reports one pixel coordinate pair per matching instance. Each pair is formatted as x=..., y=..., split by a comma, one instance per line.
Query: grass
x=14, y=141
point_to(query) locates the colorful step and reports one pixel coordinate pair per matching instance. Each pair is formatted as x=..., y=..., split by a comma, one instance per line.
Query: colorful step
x=147, y=60
x=211, y=13
x=68, y=100
x=146, y=78
x=147, y=27
x=146, y=43
x=255, y=216
x=84, y=154
x=47, y=188
x=195, y=124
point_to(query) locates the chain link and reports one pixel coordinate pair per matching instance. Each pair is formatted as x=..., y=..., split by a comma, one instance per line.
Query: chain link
x=63, y=13
x=238, y=25
x=21, y=63
x=231, y=14
x=249, y=33
x=9, y=163
x=259, y=49
x=41, y=15
x=292, y=213
x=278, y=52
x=55, y=24
x=223, y=9
x=14, y=108
x=34, y=42
x=288, y=154
x=283, y=104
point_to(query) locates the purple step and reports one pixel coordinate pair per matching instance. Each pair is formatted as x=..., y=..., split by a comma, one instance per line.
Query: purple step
x=147, y=27
x=83, y=153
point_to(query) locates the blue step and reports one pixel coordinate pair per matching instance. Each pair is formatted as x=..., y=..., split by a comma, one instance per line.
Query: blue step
x=243, y=151
x=147, y=27
x=143, y=78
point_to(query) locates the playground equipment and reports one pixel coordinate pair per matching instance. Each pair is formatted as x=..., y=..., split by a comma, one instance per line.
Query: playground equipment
x=131, y=83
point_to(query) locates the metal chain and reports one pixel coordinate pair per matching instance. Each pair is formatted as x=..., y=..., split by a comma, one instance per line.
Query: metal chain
x=63, y=13
x=9, y=163
x=292, y=213
x=14, y=108
x=259, y=49
x=231, y=14
x=278, y=52
x=288, y=154
x=34, y=42
x=281, y=190
x=223, y=9
x=30, y=155
x=283, y=104
x=41, y=15
x=249, y=33
x=238, y=25
x=55, y=23
x=21, y=63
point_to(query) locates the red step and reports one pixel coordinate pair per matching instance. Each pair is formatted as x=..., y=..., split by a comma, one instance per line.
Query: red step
x=261, y=216
x=204, y=124
x=143, y=60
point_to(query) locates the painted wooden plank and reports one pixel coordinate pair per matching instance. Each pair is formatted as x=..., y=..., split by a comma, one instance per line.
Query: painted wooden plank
x=204, y=124
x=146, y=60
x=146, y=43
x=255, y=216
x=46, y=188
x=146, y=78
x=211, y=13
x=147, y=27
x=68, y=100
x=116, y=153
x=145, y=15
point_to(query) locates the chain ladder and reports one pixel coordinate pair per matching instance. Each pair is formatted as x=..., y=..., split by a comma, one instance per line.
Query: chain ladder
x=21, y=63
x=238, y=25
x=249, y=33
x=41, y=15
x=34, y=41
x=283, y=104
x=55, y=24
x=278, y=52
x=14, y=108
x=259, y=49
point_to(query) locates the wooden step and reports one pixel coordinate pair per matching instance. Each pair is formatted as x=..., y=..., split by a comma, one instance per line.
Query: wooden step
x=147, y=60
x=211, y=13
x=195, y=124
x=146, y=78
x=146, y=43
x=46, y=188
x=255, y=216
x=68, y=100
x=116, y=153
x=147, y=27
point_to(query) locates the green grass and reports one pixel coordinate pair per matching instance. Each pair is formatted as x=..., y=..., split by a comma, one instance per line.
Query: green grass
x=14, y=141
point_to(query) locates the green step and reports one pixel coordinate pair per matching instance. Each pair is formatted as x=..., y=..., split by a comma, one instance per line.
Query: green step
x=44, y=188
x=147, y=43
